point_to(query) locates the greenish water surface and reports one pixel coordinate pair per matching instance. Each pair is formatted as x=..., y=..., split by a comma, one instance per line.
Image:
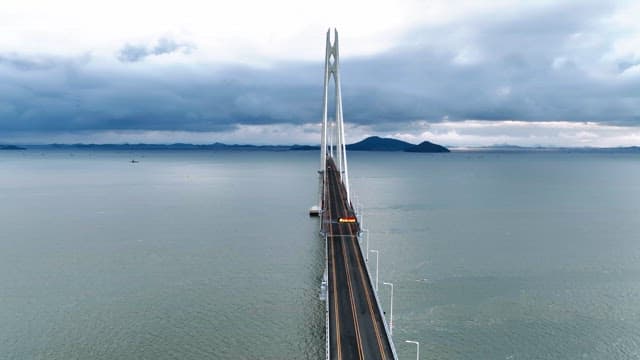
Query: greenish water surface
x=211, y=255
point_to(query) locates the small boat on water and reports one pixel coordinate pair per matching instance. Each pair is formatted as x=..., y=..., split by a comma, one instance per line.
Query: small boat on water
x=134, y=161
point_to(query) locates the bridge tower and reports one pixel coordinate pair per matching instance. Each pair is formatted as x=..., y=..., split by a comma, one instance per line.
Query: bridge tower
x=333, y=130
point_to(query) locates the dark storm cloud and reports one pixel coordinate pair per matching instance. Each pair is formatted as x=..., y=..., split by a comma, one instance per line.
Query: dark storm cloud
x=529, y=66
x=81, y=96
x=524, y=66
x=135, y=53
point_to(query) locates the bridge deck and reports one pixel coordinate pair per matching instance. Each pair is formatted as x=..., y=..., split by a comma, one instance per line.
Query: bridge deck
x=357, y=329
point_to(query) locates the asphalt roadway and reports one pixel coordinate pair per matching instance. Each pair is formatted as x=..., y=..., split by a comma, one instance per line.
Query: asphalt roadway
x=356, y=327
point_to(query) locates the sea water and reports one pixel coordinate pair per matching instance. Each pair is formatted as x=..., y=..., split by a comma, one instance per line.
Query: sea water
x=211, y=254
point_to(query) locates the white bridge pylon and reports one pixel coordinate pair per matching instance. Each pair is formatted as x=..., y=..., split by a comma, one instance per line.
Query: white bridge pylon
x=332, y=143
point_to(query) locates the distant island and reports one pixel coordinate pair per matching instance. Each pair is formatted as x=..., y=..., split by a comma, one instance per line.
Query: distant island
x=11, y=147
x=376, y=143
x=427, y=147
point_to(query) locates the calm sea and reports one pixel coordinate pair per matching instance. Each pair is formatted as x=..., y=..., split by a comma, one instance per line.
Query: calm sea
x=211, y=255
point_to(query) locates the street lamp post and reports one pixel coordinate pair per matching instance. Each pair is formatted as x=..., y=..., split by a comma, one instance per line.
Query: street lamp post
x=418, y=348
x=367, y=244
x=391, y=307
x=377, y=266
x=366, y=254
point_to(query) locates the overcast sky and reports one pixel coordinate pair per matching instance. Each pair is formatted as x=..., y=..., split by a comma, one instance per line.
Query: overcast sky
x=459, y=73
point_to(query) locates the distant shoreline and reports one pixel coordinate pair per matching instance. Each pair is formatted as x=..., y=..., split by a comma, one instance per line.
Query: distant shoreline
x=12, y=147
x=250, y=147
x=373, y=143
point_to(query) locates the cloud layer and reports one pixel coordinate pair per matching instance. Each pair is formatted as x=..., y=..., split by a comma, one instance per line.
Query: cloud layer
x=556, y=63
x=164, y=46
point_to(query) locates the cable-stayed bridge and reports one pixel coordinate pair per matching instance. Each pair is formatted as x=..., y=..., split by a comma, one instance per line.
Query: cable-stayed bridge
x=356, y=327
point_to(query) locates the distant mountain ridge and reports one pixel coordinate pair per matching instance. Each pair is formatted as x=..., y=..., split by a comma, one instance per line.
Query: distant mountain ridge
x=11, y=147
x=373, y=143
x=550, y=149
x=176, y=146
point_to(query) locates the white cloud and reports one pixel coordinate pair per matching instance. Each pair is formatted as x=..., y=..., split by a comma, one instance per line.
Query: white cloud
x=244, y=31
x=523, y=133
